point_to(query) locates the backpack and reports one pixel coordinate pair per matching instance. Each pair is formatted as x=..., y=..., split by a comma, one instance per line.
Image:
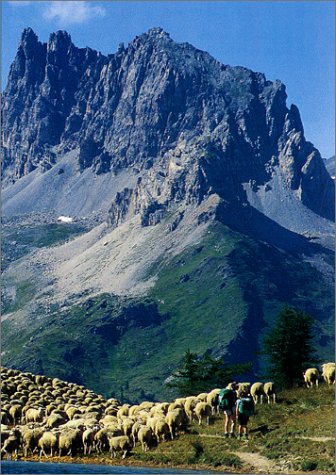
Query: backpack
x=246, y=406
x=226, y=399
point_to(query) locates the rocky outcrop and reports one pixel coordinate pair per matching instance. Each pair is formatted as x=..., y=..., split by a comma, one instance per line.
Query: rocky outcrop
x=188, y=125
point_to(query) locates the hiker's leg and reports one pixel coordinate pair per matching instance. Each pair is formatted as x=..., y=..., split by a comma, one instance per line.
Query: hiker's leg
x=226, y=422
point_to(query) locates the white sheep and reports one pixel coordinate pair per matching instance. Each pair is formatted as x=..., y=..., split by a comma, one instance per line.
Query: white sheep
x=48, y=442
x=70, y=440
x=328, y=373
x=120, y=444
x=15, y=412
x=311, y=376
x=202, y=410
x=257, y=392
x=30, y=438
x=246, y=387
x=35, y=415
x=11, y=445
x=88, y=439
x=202, y=397
x=212, y=400
x=55, y=420
x=269, y=390
x=175, y=420
x=145, y=437
x=161, y=430
x=189, y=406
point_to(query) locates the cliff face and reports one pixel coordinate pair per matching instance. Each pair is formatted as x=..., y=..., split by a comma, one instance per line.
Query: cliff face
x=186, y=124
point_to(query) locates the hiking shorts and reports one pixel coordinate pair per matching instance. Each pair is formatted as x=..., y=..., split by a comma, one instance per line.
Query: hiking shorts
x=230, y=412
x=243, y=419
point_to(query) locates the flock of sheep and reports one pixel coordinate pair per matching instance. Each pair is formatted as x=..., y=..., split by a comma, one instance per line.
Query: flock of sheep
x=54, y=417
x=312, y=375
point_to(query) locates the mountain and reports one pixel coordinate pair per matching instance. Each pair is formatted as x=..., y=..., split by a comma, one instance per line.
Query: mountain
x=199, y=210
x=330, y=166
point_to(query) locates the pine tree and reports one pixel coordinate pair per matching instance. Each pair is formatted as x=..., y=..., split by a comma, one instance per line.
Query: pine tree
x=202, y=373
x=288, y=347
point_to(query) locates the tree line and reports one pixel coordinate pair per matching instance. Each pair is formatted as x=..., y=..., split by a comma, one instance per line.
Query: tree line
x=288, y=350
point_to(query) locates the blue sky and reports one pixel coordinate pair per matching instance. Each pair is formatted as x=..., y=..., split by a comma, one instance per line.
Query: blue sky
x=291, y=41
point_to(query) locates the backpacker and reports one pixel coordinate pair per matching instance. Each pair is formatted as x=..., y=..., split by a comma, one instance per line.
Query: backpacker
x=246, y=406
x=226, y=399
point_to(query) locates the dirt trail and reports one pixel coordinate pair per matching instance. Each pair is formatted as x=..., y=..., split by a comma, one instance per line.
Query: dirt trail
x=316, y=439
x=257, y=462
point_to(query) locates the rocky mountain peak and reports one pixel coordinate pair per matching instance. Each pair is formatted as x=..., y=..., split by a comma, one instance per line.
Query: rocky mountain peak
x=185, y=124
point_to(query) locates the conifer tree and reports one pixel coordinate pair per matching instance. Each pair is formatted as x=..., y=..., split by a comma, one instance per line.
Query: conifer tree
x=288, y=347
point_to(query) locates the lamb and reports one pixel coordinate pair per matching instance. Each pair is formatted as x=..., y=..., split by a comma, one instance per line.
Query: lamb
x=48, y=441
x=145, y=437
x=269, y=391
x=328, y=373
x=311, y=376
x=202, y=410
x=120, y=444
x=257, y=392
x=101, y=437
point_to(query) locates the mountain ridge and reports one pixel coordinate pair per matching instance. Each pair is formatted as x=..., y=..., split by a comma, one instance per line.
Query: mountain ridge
x=201, y=203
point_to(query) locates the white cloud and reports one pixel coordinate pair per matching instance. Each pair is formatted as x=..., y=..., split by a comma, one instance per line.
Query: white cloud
x=66, y=12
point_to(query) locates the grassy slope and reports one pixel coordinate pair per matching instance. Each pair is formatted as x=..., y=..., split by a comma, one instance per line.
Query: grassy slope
x=219, y=295
x=296, y=434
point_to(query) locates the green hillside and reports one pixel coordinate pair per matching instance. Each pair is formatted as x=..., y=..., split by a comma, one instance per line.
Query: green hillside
x=221, y=295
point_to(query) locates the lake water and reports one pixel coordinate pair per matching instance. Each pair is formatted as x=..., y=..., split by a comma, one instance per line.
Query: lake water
x=44, y=468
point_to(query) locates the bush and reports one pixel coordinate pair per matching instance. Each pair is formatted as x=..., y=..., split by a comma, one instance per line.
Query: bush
x=308, y=465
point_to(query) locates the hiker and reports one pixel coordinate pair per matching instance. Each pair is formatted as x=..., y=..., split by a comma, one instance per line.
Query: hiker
x=244, y=410
x=226, y=401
